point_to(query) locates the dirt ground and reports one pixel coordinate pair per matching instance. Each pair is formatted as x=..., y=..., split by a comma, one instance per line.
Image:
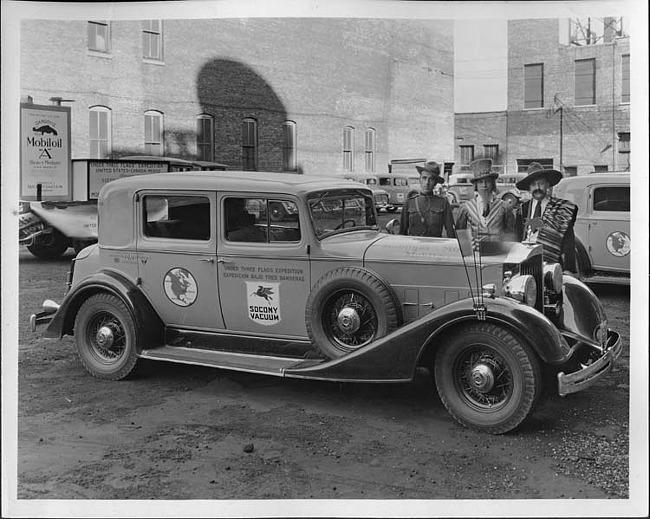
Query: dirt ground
x=184, y=432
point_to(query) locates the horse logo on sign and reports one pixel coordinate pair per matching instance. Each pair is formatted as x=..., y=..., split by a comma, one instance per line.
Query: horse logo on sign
x=263, y=302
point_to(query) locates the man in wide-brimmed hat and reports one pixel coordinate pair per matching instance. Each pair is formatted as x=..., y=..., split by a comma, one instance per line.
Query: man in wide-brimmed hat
x=548, y=220
x=486, y=215
x=424, y=213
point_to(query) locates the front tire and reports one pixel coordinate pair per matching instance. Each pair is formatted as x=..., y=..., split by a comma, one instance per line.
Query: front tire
x=105, y=335
x=487, y=378
x=349, y=308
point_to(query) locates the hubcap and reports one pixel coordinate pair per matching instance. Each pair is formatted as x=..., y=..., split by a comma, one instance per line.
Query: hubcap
x=348, y=320
x=482, y=378
x=105, y=337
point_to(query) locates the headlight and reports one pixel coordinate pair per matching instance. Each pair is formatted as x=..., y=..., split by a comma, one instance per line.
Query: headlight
x=553, y=277
x=522, y=288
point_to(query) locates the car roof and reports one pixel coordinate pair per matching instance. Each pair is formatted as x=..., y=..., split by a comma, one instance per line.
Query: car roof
x=242, y=181
x=622, y=177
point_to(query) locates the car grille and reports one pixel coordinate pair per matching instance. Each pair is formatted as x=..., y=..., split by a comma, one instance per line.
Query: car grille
x=533, y=267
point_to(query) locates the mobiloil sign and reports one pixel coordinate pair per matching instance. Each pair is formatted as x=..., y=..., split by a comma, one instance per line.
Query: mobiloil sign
x=45, y=152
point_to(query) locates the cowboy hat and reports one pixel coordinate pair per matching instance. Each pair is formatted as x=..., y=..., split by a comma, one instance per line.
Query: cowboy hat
x=482, y=168
x=536, y=171
x=433, y=168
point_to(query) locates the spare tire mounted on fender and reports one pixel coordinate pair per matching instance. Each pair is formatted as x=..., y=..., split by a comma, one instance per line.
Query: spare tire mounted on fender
x=348, y=308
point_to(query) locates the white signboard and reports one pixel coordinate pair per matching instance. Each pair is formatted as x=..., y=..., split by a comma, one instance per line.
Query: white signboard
x=45, y=152
x=101, y=173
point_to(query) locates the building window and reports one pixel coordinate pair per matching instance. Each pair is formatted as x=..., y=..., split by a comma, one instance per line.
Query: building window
x=466, y=155
x=289, y=155
x=624, y=151
x=370, y=150
x=249, y=144
x=153, y=133
x=585, y=82
x=491, y=151
x=600, y=168
x=204, y=137
x=152, y=40
x=534, y=86
x=348, y=148
x=625, y=78
x=99, y=36
x=99, y=132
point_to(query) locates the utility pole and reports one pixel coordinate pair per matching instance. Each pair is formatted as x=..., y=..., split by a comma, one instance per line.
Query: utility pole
x=561, y=137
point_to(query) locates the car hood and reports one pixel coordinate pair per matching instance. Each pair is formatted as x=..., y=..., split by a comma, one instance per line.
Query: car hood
x=416, y=249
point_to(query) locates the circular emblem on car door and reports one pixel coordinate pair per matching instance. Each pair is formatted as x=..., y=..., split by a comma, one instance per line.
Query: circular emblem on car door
x=618, y=243
x=180, y=286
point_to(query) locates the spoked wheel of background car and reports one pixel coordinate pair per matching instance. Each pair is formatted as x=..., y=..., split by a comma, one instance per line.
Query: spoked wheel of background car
x=348, y=308
x=105, y=333
x=49, y=246
x=487, y=378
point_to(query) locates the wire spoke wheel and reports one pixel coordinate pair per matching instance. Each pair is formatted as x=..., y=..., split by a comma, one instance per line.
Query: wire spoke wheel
x=487, y=378
x=105, y=334
x=350, y=320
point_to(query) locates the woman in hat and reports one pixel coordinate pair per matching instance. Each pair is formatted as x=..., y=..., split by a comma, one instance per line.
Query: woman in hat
x=548, y=220
x=486, y=215
x=424, y=213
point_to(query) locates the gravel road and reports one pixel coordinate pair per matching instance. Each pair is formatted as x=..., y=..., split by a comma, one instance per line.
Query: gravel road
x=183, y=432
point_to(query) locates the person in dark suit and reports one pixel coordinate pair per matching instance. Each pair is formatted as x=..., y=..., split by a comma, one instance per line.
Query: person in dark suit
x=548, y=220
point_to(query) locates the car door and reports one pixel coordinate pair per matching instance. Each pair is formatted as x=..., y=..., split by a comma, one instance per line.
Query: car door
x=177, y=257
x=263, y=265
x=609, y=227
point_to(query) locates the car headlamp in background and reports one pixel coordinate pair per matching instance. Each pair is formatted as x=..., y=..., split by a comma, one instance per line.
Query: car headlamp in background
x=523, y=288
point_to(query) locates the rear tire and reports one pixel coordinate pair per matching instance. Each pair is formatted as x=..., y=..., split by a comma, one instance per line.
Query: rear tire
x=487, y=378
x=105, y=335
x=49, y=246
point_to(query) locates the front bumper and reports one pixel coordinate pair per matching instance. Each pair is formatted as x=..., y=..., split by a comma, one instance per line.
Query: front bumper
x=45, y=317
x=589, y=375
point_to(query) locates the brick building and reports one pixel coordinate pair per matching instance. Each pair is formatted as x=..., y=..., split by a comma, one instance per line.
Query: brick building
x=568, y=103
x=315, y=95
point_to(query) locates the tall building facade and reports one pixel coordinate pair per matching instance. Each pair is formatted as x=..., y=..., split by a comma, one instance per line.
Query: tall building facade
x=312, y=95
x=568, y=100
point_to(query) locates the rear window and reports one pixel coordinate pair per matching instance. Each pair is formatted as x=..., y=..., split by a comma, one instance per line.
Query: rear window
x=612, y=198
x=178, y=217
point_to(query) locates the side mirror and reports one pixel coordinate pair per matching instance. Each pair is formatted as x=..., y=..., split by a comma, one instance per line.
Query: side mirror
x=392, y=227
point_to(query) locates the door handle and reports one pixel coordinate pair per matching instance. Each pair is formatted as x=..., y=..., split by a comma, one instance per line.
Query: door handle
x=222, y=261
x=207, y=260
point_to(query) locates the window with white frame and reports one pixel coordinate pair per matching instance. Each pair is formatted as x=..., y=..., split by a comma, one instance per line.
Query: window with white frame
x=585, y=82
x=371, y=149
x=152, y=40
x=99, y=36
x=99, y=132
x=348, y=148
x=534, y=85
x=466, y=154
x=205, y=137
x=249, y=144
x=153, y=133
x=289, y=153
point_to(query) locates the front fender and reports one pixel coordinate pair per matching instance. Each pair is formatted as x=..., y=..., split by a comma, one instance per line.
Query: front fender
x=150, y=327
x=583, y=316
x=395, y=356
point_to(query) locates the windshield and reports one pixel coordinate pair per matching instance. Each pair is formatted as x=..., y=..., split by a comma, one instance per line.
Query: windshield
x=341, y=210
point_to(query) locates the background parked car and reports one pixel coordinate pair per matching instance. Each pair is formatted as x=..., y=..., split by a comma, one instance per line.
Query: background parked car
x=602, y=227
x=381, y=196
x=460, y=188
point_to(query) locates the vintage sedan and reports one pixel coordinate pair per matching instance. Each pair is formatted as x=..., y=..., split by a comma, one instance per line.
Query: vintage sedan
x=602, y=227
x=185, y=271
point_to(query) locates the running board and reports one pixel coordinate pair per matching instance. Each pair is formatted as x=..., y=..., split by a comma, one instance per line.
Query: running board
x=263, y=364
x=607, y=280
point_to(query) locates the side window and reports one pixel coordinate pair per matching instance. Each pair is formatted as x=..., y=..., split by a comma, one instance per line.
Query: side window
x=612, y=198
x=99, y=36
x=401, y=182
x=178, y=217
x=384, y=181
x=261, y=220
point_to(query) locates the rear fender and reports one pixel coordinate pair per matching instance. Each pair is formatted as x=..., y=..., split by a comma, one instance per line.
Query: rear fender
x=149, y=325
x=395, y=356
